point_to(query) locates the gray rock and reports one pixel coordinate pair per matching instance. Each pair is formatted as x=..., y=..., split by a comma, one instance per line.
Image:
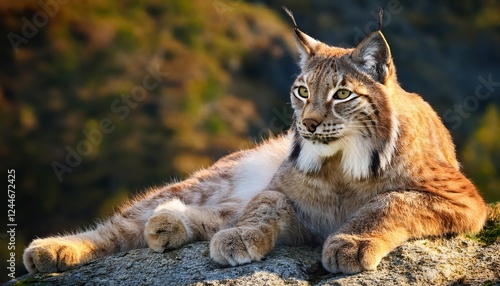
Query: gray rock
x=422, y=262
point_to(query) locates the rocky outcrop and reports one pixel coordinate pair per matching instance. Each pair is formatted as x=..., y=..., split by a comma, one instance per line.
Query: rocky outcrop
x=458, y=260
x=445, y=261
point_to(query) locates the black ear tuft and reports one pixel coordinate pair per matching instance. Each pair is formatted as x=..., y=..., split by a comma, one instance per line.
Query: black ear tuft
x=306, y=44
x=380, y=17
x=290, y=14
x=373, y=56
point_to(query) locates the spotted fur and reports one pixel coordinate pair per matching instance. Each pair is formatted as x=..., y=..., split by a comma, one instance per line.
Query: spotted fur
x=359, y=174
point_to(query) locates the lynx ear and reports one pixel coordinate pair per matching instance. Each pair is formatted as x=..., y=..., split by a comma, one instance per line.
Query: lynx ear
x=373, y=56
x=307, y=45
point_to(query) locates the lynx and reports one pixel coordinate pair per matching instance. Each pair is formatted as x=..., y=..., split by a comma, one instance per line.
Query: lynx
x=365, y=167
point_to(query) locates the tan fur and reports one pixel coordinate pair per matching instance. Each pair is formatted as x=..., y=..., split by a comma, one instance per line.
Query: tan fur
x=359, y=175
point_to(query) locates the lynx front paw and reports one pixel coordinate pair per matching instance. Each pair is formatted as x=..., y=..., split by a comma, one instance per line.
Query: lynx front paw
x=351, y=254
x=50, y=255
x=236, y=246
x=166, y=230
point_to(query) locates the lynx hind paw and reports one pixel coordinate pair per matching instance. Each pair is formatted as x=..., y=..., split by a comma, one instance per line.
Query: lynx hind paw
x=166, y=230
x=51, y=255
x=350, y=254
x=237, y=246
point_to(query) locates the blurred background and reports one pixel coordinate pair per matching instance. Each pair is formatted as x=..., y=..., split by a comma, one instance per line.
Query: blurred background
x=100, y=100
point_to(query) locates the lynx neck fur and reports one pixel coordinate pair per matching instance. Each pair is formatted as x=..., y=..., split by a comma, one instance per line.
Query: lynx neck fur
x=365, y=167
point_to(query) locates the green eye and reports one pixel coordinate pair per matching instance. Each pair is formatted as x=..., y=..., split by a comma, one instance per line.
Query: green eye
x=303, y=92
x=342, y=94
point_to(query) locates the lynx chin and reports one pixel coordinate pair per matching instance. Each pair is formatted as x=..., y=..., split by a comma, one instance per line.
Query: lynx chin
x=365, y=167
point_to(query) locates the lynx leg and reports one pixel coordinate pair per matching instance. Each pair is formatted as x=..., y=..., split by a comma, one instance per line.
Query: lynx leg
x=268, y=217
x=123, y=231
x=174, y=223
x=389, y=220
x=61, y=253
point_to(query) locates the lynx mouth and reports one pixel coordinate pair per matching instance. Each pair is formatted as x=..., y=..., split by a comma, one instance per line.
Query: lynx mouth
x=321, y=138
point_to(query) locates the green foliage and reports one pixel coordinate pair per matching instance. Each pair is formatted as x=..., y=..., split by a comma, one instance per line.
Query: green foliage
x=491, y=231
x=481, y=154
x=30, y=281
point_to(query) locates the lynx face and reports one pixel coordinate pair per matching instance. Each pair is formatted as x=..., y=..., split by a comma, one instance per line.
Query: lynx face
x=331, y=104
x=341, y=104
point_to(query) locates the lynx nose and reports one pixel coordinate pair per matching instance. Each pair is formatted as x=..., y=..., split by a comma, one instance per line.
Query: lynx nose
x=310, y=124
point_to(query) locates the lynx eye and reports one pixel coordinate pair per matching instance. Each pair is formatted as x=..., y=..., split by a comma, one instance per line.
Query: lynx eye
x=342, y=94
x=303, y=92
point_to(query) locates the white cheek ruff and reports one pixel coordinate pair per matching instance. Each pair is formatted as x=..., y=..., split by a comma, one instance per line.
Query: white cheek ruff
x=356, y=157
x=311, y=155
x=390, y=147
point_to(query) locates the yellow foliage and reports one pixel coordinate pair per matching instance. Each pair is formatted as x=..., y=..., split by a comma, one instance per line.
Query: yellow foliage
x=481, y=154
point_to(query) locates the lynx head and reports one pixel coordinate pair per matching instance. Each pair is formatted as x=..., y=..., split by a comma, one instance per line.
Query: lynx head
x=342, y=103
